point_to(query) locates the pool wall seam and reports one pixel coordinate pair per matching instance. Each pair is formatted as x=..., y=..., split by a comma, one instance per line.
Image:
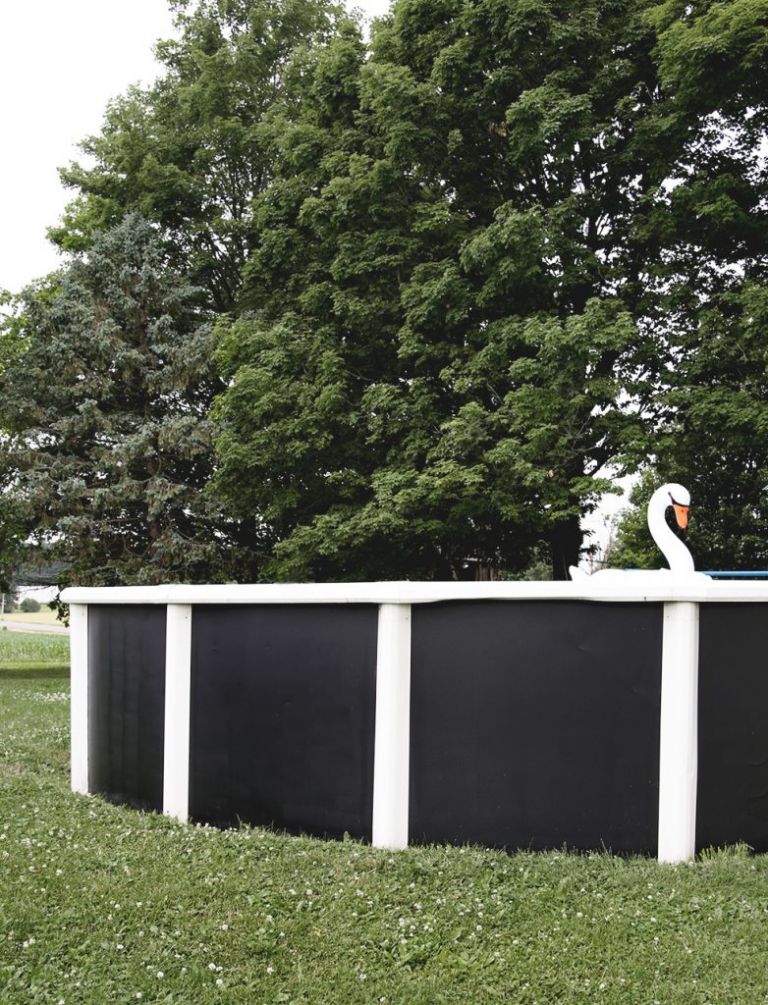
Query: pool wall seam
x=178, y=688
x=78, y=629
x=678, y=740
x=391, y=752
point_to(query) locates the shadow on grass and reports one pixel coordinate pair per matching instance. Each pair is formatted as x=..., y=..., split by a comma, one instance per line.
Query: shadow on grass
x=34, y=671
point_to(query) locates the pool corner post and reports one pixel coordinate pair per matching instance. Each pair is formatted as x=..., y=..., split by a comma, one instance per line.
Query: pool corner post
x=391, y=761
x=178, y=680
x=678, y=749
x=78, y=647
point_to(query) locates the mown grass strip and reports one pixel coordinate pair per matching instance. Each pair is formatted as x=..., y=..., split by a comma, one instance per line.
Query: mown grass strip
x=41, y=671
x=102, y=904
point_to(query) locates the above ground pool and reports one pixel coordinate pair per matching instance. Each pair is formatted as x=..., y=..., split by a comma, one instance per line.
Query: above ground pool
x=627, y=713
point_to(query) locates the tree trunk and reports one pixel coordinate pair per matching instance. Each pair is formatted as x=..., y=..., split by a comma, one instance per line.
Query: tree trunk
x=565, y=542
x=484, y=573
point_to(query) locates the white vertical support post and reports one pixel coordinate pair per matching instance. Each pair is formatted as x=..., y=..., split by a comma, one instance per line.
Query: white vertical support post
x=391, y=763
x=78, y=647
x=678, y=760
x=178, y=677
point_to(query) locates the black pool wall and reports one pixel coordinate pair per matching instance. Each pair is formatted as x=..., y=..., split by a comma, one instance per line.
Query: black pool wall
x=732, y=799
x=283, y=715
x=126, y=703
x=536, y=724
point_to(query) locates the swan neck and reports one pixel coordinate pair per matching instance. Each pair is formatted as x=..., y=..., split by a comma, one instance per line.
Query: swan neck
x=672, y=548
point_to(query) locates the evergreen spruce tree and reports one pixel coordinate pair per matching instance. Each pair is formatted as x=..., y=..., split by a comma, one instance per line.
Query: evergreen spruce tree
x=106, y=399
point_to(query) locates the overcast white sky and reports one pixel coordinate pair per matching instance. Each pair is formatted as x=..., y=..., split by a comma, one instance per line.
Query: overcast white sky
x=61, y=63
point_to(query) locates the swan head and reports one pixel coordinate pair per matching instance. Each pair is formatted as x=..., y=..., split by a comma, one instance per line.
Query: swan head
x=680, y=500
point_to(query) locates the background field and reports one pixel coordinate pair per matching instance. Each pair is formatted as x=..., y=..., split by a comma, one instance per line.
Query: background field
x=19, y=651
x=45, y=616
x=101, y=904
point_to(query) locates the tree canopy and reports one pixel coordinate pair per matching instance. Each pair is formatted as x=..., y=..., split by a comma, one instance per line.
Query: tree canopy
x=483, y=288
x=188, y=152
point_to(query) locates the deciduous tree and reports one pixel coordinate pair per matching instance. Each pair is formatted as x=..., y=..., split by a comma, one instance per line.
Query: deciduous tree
x=481, y=253
x=187, y=152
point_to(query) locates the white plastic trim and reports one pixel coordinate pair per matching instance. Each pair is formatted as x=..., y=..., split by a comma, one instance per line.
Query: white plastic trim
x=620, y=588
x=178, y=675
x=393, y=727
x=678, y=752
x=78, y=643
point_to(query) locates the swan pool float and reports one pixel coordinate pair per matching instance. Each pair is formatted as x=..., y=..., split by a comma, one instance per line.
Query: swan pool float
x=672, y=548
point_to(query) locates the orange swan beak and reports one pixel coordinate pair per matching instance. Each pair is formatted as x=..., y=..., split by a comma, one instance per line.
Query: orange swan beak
x=681, y=515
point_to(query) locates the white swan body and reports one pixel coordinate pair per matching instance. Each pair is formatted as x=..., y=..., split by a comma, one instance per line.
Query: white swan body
x=672, y=548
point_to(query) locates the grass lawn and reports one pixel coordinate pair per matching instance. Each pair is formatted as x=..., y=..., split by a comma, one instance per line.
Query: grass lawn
x=45, y=616
x=100, y=904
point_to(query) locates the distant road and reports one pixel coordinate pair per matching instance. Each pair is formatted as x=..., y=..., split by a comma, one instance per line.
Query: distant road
x=30, y=626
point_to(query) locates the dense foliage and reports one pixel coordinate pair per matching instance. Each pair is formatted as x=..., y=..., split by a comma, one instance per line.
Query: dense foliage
x=473, y=305
x=715, y=441
x=107, y=411
x=711, y=410
x=453, y=279
x=188, y=152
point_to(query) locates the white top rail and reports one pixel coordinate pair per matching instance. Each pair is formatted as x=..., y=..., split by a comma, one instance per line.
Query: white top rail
x=618, y=587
